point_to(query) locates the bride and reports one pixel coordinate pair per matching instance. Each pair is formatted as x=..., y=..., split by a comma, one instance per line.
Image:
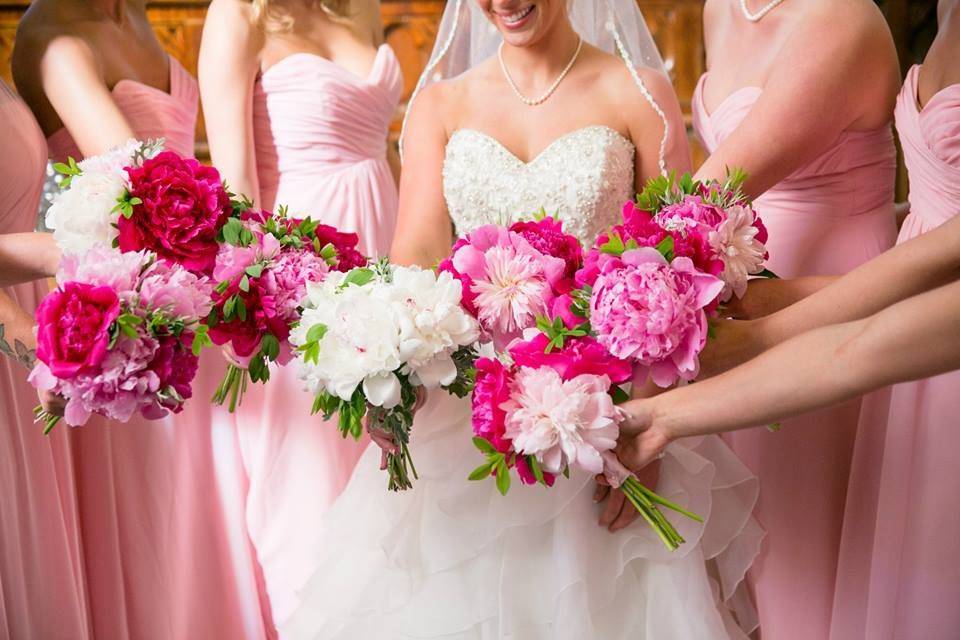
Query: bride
x=561, y=104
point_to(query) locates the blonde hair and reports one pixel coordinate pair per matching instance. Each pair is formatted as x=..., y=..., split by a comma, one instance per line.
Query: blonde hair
x=272, y=17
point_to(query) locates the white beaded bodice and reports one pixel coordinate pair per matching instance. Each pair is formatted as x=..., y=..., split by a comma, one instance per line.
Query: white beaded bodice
x=582, y=178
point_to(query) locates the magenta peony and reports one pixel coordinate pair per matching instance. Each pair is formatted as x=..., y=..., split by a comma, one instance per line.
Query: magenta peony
x=652, y=312
x=175, y=367
x=579, y=356
x=183, y=206
x=74, y=327
x=546, y=236
x=491, y=391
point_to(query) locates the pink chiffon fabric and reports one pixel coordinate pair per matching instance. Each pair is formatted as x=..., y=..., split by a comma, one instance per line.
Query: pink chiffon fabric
x=42, y=585
x=899, y=571
x=826, y=218
x=162, y=559
x=321, y=136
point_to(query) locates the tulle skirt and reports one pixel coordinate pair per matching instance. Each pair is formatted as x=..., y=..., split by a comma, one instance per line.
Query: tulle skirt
x=455, y=559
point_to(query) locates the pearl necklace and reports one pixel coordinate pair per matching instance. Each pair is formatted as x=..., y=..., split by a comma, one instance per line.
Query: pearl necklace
x=532, y=102
x=755, y=17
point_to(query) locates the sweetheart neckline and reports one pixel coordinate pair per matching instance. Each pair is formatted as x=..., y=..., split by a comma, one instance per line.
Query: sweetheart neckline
x=547, y=148
x=337, y=67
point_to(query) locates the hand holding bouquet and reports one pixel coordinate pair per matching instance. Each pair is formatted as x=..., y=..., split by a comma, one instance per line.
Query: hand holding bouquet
x=552, y=406
x=369, y=337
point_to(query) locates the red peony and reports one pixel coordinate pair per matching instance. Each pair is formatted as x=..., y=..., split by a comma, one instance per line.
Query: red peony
x=176, y=367
x=74, y=328
x=260, y=316
x=346, y=245
x=547, y=237
x=183, y=206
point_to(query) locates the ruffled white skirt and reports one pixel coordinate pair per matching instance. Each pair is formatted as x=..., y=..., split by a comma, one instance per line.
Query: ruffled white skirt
x=454, y=559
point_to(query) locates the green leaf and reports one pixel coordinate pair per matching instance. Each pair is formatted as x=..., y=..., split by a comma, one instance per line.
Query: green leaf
x=358, y=277
x=766, y=273
x=665, y=247
x=773, y=428
x=316, y=333
x=481, y=472
x=614, y=245
x=231, y=231
x=229, y=307
x=537, y=469
x=484, y=445
x=255, y=270
x=270, y=347
x=503, y=478
x=241, y=309
x=244, y=284
x=618, y=395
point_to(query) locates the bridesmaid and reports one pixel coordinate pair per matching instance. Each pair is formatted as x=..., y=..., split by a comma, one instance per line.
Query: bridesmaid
x=42, y=584
x=800, y=95
x=152, y=534
x=298, y=97
x=899, y=573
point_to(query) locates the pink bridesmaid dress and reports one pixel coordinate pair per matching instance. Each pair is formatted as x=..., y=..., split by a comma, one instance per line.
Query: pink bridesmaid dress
x=321, y=145
x=826, y=218
x=162, y=560
x=42, y=585
x=900, y=560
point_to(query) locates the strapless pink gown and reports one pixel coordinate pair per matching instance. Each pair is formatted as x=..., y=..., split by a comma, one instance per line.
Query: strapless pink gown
x=900, y=560
x=826, y=218
x=321, y=136
x=161, y=557
x=42, y=585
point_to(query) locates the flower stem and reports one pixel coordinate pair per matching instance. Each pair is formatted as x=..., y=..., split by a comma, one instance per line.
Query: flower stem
x=233, y=386
x=646, y=501
x=48, y=419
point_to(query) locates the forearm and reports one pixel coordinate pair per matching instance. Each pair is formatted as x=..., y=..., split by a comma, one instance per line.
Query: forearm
x=27, y=256
x=17, y=340
x=924, y=263
x=916, y=338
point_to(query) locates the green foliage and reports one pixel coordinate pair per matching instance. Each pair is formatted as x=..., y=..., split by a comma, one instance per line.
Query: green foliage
x=69, y=170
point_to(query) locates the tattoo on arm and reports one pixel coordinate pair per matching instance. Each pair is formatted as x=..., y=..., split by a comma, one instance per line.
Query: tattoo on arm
x=19, y=352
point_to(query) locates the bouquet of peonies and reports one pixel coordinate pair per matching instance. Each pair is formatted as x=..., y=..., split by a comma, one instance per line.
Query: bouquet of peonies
x=552, y=406
x=511, y=275
x=263, y=266
x=137, y=197
x=121, y=334
x=648, y=286
x=369, y=337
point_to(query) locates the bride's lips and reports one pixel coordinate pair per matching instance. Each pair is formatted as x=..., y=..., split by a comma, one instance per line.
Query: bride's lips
x=518, y=19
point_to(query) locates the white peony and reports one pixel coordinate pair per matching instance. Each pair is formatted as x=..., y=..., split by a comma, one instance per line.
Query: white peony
x=432, y=323
x=361, y=344
x=735, y=241
x=83, y=215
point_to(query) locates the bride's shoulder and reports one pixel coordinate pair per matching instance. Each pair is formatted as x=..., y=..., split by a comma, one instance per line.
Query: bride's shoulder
x=616, y=82
x=452, y=96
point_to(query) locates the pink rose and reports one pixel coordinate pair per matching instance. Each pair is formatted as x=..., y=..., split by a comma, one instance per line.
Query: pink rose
x=183, y=207
x=577, y=357
x=652, y=313
x=74, y=327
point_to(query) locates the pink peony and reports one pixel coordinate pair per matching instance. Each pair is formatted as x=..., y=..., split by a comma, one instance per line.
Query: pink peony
x=183, y=207
x=176, y=291
x=512, y=282
x=74, y=327
x=579, y=356
x=561, y=422
x=491, y=390
x=466, y=281
x=652, y=312
x=106, y=267
x=291, y=271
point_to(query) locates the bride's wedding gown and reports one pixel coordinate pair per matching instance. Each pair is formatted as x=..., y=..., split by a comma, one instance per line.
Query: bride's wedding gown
x=454, y=559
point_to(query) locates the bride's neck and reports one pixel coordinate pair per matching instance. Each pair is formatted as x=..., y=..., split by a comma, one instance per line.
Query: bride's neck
x=541, y=61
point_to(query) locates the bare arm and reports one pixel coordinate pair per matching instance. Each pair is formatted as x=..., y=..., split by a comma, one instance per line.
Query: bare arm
x=646, y=127
x=913, y=339
x=17, y=340
x=228, y=66
x=27, y=256
x=73, y=84
x=424, y=233
x=815, y=75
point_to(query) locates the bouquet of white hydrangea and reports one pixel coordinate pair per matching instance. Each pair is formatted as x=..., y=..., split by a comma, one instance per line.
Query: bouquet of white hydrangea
x=369, y=337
